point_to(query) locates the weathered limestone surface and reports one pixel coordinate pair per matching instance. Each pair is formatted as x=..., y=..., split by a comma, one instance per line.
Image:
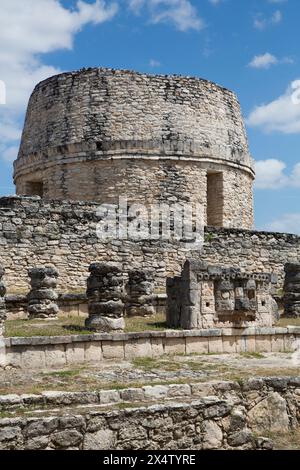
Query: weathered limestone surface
x=140, y=293
x=208, y=296
x=38, y=352
x=151, y=138
x=38, y=233
x=197, y=416
x=2, y=318
x=42, y=298
x=105, y=293
x=292, y=290
x=158, y=427
x=2, y=302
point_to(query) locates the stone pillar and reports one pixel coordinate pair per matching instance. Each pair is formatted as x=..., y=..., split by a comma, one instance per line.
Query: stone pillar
x=140, y=294
x=2, y=317
x=42, y=299
x=292, y=290
x=105, y=293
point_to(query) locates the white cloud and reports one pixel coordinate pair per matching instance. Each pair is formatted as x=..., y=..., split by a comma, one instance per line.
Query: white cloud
x=136, y=5
x=287, y=223
x=280, y=115
x=181, y=13
x=276, y=18
x=263, y=61
x=261, y=22
x=27, y=30
x=270, y=174
x=154, y=63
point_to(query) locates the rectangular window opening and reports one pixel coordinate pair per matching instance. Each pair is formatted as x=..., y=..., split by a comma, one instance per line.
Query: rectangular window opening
x=215, y=199
x=34, y=188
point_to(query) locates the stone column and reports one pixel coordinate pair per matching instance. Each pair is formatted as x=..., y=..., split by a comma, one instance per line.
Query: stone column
x=2, y=317
x=292, y=290
x=105, y=293
x=140, y=294
x=42, y=299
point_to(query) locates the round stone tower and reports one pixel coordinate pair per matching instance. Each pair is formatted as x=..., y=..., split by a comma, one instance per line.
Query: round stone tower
x=98, y=134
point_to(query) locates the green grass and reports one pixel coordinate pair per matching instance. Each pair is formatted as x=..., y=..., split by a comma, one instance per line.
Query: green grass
x=138, y=324
x=64, y=373
x=285, y=441
x=75, y=325
x=148, y=364
x=252, y=355
x=284, y=322
x=66, y=326
x=57, y=327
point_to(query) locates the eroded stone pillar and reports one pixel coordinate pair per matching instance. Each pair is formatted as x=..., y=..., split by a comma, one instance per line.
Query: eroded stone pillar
x=42, y=299
x=105, y=293
x=292, y=290
x=140, y=294
x=2, y=317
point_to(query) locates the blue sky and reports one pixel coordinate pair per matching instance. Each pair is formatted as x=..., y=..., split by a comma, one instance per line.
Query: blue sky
x=249, y=46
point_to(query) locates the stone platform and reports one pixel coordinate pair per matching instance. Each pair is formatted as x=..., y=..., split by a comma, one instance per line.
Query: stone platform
x=46, y=351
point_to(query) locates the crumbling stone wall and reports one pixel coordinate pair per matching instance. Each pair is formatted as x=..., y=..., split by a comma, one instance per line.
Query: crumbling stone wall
x=98, y=134
x=42, y=298
x=198, y=416
x=2, y=301
x=3, y=317
x=212, y=296
x=140, y=298
x=63, y=234
x=292, y=290
x=105, y=293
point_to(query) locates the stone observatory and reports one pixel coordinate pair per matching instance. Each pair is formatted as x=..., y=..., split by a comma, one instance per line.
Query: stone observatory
x=97, y=134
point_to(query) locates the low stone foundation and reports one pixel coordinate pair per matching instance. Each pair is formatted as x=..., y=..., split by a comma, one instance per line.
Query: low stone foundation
x=198, y=425
x=211, y=415
x=64, y=234
x=40, y=352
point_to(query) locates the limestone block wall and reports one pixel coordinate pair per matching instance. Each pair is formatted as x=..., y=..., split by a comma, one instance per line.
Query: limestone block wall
x=198, y=416
x=211, y=296
x=251, y=250
x=55, y=351
x=63, y=234
x=96, y=134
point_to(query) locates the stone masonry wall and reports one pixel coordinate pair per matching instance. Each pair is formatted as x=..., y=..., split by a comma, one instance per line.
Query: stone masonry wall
x=98, y=134
x=199, y=416
x=112, y=107
x=63, y=234
x=149, y=182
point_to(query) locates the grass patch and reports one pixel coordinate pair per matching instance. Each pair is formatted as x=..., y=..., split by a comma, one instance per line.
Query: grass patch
x=66, y=326
x=252, y=355
x=57, y=327
x=148, y=364
x=284, y=322
x=177, y=363
x=64, y=373
x=286, y=441
x=137, y=324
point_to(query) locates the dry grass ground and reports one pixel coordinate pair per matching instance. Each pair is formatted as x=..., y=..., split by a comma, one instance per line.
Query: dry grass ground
x=75, y=325
x=286, y=441
x=148, y=371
